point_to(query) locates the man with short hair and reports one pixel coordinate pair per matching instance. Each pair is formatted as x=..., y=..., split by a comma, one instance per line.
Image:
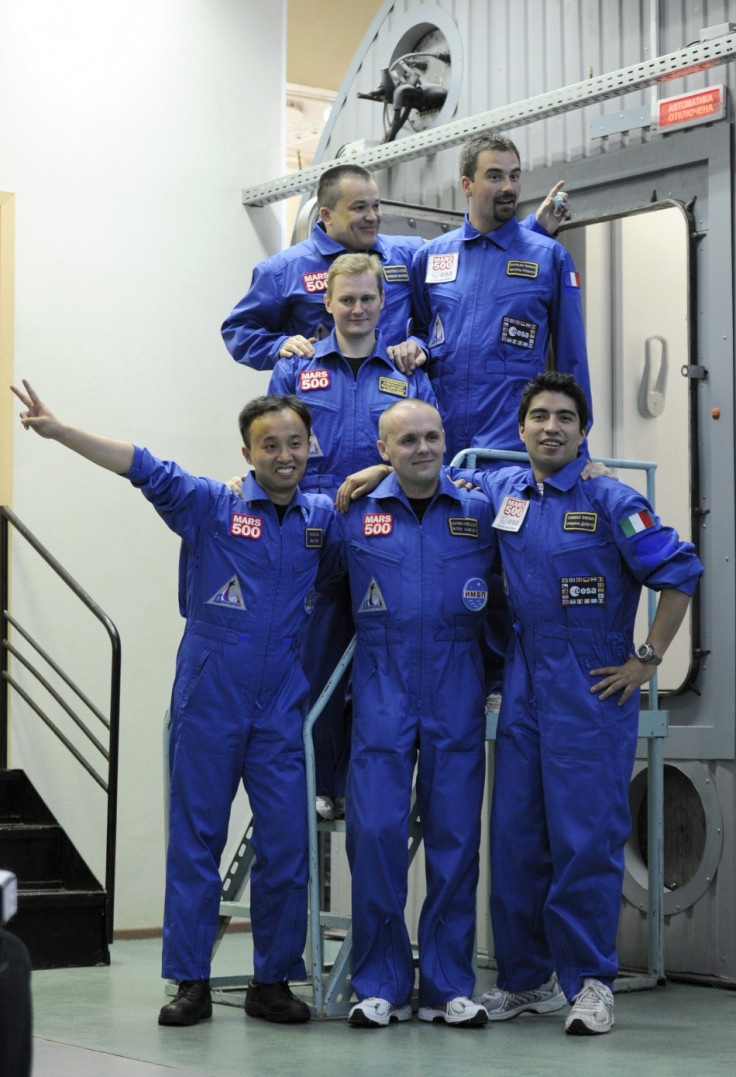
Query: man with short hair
x=239, y=694
x=489, y=298
x=575, y=556
x=347, y=382
x=283, y=313
x=419, y=554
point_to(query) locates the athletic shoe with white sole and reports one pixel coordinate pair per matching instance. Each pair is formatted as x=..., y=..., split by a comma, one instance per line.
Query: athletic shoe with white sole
x=592, y=1010
x=377, y=1012
x=502, y=1005
x=461, y=1012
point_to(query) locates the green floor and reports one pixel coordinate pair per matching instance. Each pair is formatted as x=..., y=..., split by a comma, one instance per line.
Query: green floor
x=101, y=1022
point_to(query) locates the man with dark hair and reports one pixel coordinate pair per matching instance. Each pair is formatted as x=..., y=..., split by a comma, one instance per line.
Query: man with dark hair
x=348, y=382
x=283, y=313
x=575, y=556
x=489, y=298
x=239, y=694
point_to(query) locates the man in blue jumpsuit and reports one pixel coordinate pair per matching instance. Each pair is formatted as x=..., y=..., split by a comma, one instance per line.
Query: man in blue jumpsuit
x=239, y=693
x=347, y=383
x=283, y=312
x=489, y=298
x=419, y=554
x=575, y=556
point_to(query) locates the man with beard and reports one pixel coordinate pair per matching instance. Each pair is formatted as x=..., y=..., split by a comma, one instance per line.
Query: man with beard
x=489, y=298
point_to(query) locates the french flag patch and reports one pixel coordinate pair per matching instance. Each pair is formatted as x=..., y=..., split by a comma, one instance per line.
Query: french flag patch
x=572, y=280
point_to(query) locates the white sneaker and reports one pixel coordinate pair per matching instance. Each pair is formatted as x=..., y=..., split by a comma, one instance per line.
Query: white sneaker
x=503, y=1005
x=460, y=1011
x=592, y=1010
x=493, y=703
x=325, y=809
x=375, y=1012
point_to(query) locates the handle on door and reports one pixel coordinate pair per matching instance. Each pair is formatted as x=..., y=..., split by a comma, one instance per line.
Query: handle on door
x=652, y=388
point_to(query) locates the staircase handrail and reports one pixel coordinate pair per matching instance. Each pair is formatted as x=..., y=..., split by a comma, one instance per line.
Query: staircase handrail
x=112, y=724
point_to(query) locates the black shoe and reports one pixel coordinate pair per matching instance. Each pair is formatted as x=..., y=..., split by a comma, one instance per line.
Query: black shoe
x=275, y=1002
x=193, y=1003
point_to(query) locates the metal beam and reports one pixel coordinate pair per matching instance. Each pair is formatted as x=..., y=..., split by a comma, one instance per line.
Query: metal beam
x=688, y=61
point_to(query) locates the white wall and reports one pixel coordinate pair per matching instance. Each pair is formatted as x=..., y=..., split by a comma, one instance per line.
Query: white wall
x=126, y=133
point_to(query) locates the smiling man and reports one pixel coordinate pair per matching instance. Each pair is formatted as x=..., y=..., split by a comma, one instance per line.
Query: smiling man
x=575, y=556
x=419, y=555
x=489, y=298
x=283, y=315
x=347, y=382
x=239, y=695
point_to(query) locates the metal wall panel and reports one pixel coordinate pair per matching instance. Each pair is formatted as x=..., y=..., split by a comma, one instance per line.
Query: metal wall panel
x=512, y=50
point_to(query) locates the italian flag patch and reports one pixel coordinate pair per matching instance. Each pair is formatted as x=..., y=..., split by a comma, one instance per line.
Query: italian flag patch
x=640, y=521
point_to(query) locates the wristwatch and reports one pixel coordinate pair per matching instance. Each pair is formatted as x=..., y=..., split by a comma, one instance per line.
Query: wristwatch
x=647, y=654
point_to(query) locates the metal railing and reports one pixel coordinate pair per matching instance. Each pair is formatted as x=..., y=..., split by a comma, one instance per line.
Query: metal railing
x=653, y=727
x=106, y=745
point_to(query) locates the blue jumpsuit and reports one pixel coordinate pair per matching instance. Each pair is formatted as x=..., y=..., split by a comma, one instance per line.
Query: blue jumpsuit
x=560, y=815
x=287, y=297
x=237, y=708
x=345, y=412
x=489, y=305
x=418, y=593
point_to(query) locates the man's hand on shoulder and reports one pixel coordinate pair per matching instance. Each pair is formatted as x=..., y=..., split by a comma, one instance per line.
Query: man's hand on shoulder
x=359, y=484
x=594, y=469
x=406, y=356
x=299, y=346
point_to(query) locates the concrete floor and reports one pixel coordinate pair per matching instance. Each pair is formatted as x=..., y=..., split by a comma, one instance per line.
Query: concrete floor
x=101, y=1022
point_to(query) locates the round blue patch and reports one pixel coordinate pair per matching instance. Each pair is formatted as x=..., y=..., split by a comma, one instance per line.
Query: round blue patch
x=475, y=594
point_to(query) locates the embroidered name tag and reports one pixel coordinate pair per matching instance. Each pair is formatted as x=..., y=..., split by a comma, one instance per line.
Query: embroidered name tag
x=580, y=521
x=393, y=386
x=313, y=538
x=463, y=526
x=522, y=269
x=391, y=274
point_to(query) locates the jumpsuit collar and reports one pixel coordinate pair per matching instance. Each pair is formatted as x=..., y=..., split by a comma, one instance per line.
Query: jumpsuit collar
x=328, y=347
x=327, y=246
x=503, y=237
x=562, y=480
x=254, y=492
x=389, y=488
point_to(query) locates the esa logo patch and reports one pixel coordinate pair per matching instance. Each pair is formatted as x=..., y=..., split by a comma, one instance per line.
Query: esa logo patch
x=246, y=526
x=517, y=333
x=583, y=590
